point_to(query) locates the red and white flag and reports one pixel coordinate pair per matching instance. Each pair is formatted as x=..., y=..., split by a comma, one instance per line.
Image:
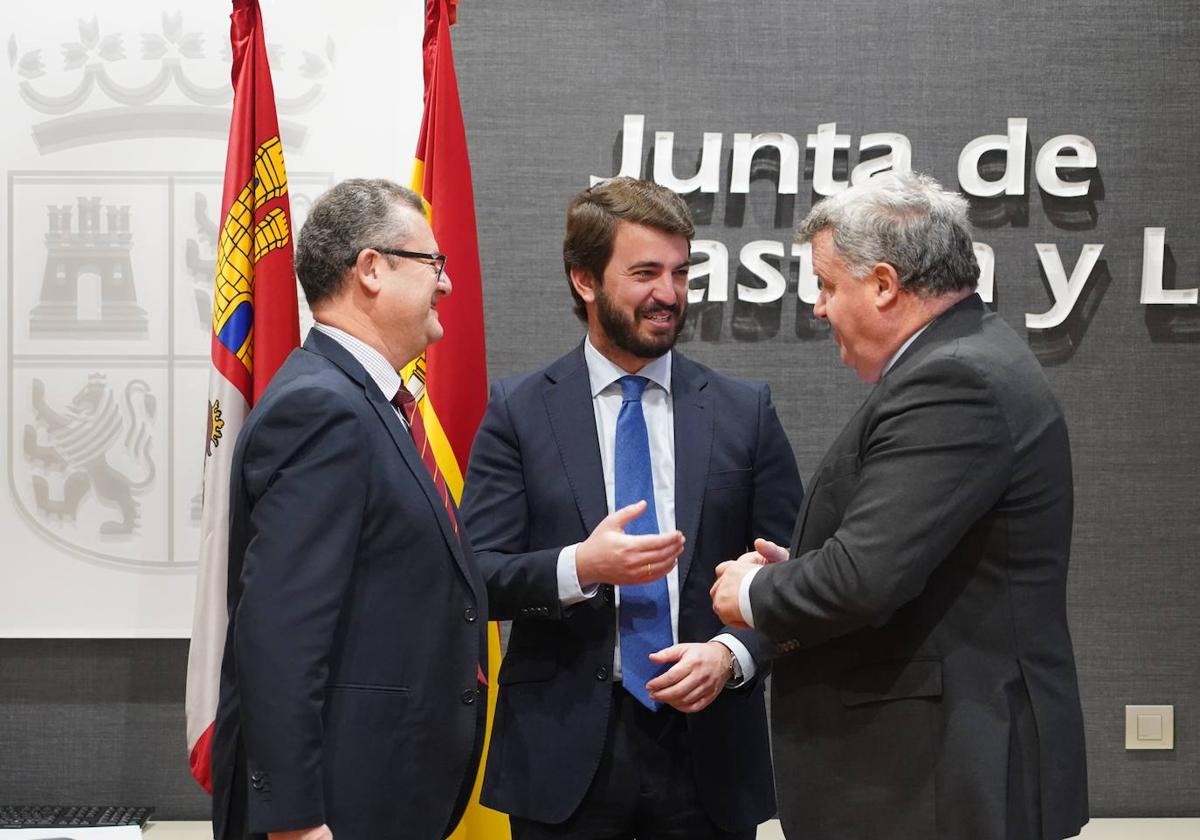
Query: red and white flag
x=255, y=325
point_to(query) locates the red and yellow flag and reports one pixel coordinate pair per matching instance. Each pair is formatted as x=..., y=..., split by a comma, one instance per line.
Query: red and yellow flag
x=454, y=370
x=255, y=326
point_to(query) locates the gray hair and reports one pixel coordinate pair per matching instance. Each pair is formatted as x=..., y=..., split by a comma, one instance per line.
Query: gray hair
x=906, y=220
x=355, y=214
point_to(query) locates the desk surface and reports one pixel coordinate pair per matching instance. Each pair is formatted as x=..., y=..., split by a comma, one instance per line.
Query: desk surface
x=1164, y=829
x=178, y=830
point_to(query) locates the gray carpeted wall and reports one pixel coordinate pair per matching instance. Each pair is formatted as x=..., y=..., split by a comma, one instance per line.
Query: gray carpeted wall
x=545, y=87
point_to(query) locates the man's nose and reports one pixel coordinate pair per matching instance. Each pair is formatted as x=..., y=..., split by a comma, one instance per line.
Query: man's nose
x=819, y=306
x=664, y=290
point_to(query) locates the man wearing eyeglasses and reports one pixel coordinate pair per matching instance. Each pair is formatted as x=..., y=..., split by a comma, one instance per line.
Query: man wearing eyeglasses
x=601, y=494
x=352, y=701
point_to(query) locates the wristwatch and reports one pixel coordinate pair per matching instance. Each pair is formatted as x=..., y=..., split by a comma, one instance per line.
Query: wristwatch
x=735, y=669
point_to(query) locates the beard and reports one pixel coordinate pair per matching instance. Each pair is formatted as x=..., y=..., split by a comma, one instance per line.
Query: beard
x=623, y=332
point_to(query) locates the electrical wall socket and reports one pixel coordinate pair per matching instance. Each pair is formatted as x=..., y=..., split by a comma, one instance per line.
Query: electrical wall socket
x=1149, y=727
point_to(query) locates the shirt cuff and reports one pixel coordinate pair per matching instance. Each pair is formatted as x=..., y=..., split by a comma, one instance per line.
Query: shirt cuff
x=744, y=596
x=744, y=668
x=569, y=590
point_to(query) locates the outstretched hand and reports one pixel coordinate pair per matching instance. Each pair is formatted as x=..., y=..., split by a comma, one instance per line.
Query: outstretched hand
x=609, y=555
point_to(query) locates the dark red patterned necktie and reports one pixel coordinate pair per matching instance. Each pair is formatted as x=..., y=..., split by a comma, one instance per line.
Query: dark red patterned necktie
x=407, y=403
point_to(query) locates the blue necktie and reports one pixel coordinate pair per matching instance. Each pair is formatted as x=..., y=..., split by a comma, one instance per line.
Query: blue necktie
x=645, y=612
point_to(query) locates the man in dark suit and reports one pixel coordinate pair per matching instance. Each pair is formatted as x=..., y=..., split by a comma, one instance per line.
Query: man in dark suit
x=351, y=705
x=926, y=687
x=601, y=493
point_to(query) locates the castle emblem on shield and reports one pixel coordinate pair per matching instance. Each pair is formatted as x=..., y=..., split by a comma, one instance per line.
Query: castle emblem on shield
x=79, y=249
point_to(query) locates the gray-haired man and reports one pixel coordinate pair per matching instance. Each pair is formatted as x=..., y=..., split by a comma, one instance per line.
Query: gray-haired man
x=926, y=686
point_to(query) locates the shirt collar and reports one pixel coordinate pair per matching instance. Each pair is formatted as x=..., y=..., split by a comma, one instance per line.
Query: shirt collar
x=602, y=372
x=377, y=367
x=896, y=356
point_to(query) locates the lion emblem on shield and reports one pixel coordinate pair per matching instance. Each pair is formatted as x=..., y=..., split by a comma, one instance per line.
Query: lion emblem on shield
x=101, y=449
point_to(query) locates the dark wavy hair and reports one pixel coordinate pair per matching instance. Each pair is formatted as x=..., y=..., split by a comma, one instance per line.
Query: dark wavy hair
x=592, y=217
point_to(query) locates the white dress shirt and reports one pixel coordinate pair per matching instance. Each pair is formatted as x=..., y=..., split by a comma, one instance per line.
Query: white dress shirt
x=378, y=368
x=657, y=407
x=744, y=589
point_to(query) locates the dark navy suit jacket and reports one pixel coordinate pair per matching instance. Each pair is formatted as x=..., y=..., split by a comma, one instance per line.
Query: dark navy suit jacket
x=534, y=485
x=357, y=620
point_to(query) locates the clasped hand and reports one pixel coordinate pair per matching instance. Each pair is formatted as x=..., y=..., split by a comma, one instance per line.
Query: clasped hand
x=700, y=672
x=726, y=589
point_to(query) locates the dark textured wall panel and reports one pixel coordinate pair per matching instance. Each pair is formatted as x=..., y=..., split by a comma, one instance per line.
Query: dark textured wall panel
x=545, y=87
x=96, y=722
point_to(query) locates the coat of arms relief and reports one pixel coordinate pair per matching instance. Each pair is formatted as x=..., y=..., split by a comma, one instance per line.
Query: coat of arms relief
x=111, y=275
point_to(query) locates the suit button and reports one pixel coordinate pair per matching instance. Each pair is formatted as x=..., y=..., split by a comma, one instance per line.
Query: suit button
x=469, y=614
x=601, y=673
x=468, y=697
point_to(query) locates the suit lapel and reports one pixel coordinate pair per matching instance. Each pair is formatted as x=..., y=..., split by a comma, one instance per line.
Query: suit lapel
x=844, y=444
x=330, y=349
x=693, y=421
x=568, y=400
x=408, y=451
x=802, y=518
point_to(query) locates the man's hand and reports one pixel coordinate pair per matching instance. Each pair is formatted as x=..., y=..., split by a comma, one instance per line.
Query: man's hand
x=609, y=555
x=765, y=552
x=320, y=832
x=700, y=671
x=728, y=585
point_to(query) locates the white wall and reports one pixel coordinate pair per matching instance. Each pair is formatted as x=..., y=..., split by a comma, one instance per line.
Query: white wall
x=348, y=81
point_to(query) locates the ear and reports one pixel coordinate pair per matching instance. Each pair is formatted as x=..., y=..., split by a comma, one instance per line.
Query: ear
x=584, y=283
x=887, y=285
x=366, y=272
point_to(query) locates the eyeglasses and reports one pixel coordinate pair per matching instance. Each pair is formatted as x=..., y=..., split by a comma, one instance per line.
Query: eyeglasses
x=435, y=261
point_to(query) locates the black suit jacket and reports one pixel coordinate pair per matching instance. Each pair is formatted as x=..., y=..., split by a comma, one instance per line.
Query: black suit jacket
x=357, y=620
x=928, y=687
x=536, y=484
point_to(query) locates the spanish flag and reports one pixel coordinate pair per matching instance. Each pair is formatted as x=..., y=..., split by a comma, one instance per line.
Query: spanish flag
x=451, y=378
x=255, y=326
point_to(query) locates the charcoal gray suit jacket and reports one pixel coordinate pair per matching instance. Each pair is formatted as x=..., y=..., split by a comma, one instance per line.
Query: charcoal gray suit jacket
x=926, y=686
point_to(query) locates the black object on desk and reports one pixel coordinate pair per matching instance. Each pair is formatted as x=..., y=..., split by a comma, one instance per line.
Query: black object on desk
x=72, y=816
